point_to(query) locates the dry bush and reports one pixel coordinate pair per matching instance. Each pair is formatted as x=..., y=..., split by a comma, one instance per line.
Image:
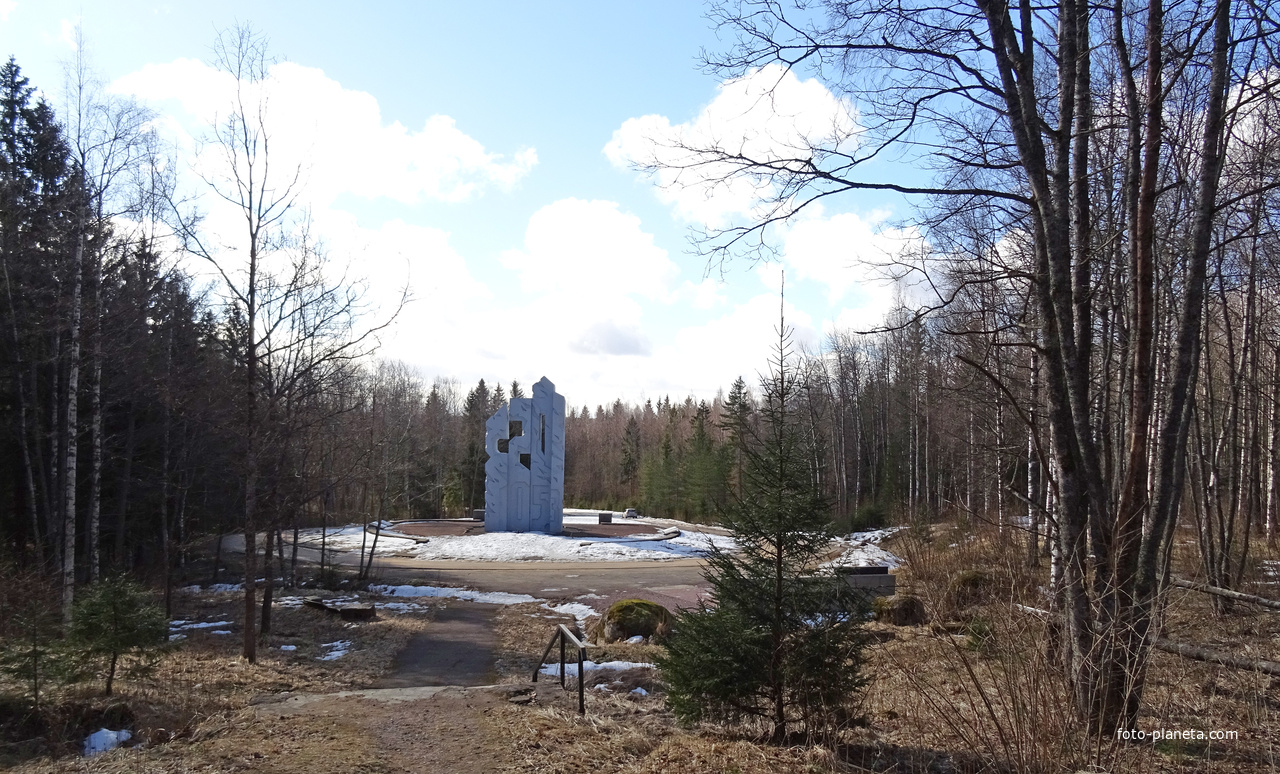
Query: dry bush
x=953, y=568
x=986, y=685
x=998, y=699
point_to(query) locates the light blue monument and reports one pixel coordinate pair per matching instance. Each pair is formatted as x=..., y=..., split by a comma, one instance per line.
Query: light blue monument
x=524, y=477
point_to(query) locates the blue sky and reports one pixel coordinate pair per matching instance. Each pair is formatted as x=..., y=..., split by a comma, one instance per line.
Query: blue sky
x=483, y=154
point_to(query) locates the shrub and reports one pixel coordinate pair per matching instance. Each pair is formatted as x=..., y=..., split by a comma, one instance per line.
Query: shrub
x=30, y=628
x=115, y=618
x=868, y=517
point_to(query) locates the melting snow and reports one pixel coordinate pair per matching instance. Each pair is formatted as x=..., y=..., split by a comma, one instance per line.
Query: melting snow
x=102, y=740
x=861, y=549
x=485, y=597
x=339, y=649
x=571, y=670
x=400, y=607
x=184, y=625
x=576, y=609
x=534, y=546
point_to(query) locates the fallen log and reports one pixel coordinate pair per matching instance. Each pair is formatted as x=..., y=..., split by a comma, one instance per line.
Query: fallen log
x=348, y=611
x=1218, y=657
x=1228, y=593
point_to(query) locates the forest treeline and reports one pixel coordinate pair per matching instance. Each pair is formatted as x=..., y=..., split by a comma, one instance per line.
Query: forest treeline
x=121, y=377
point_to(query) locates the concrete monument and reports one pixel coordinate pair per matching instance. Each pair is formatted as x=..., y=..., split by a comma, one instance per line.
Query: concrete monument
x=524, y=477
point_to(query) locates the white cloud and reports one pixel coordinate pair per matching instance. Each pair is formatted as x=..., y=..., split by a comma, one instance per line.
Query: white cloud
x=7, y=7
x=444, y=296
x=863, y=263
x=337, y=135
x=584, y=249
x=768, y=114
x=68, y=34
x=707, y=294
x=708, y=357
x=610, y=338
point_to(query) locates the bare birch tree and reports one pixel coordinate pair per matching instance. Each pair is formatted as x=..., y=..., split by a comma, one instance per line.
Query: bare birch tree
x=267, y=200
x=1007, y=102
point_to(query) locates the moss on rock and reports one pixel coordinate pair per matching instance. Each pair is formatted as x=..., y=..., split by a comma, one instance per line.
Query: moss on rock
x=628, y=618
x=899, y=610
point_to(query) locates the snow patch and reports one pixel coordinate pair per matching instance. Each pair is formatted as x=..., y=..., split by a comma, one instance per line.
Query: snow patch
x=400, y=608
x=576, y=609
x=217, y=587
x=533, y=546
x=571, y=670
x=484, y=597
x=185, y=625
x=338, y=650
x=103, y=739
x=862, y=549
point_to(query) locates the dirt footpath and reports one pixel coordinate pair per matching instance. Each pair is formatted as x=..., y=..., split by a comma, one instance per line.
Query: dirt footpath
x=430, y=713
x=407, y=731
x=456, y=649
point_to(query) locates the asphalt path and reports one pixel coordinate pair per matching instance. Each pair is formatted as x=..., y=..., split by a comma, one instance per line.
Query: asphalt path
x=457, y=649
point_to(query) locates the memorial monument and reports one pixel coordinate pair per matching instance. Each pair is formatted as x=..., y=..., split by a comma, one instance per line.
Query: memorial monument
x=524, y=477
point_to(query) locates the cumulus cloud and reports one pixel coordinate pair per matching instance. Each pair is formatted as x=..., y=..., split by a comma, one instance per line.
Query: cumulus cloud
x=337, y=135
x=610, y=338
x=768, y=115
x=70, y=31
x=6, y=8
x=443, y=294
x=580, y=248
x=707, y=294
x=863, y=264
x=707, y=357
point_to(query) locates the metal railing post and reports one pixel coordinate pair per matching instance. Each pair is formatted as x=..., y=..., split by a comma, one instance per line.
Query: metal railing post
x=582, y=681
x=564, y=635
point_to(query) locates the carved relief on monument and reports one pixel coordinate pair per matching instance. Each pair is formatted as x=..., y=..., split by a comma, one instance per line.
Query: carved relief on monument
x=524, y=477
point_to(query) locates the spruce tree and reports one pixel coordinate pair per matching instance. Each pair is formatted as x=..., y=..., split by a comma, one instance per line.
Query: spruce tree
x=117, y=618
x=777, y=642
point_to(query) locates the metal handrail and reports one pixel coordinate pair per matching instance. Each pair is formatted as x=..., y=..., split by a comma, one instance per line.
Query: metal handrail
x=565, y=636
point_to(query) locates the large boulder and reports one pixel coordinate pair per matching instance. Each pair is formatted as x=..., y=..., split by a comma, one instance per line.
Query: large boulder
x=629, y=618
x=900, y=610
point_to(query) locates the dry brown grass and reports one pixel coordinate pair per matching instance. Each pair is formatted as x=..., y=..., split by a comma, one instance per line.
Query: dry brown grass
x=979, y=681
x=973, y=691
x=198, y=692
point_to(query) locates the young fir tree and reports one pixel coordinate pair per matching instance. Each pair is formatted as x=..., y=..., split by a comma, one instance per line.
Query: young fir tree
x=777, y=643
x=117, y=618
